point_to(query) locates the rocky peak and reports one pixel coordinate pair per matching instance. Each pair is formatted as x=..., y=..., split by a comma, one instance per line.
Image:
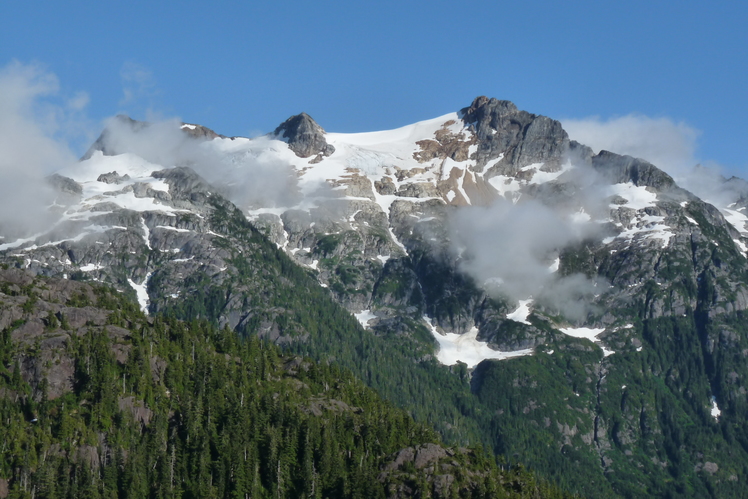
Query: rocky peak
x=484, y=111
x=523, y=138
x=621, y=169
x=305, y=137
x=201, y=132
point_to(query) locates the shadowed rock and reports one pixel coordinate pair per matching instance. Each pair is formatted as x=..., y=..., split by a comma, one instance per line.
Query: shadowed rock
x=523, y=138
x=621, y=169
x=305, y=137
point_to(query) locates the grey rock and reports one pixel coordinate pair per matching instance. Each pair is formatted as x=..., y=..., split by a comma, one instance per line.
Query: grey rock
x=113, y=178
x=304, y=136
x=136, y=408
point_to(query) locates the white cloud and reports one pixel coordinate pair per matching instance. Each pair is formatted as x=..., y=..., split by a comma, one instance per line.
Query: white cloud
x=508, y=249
x=669, y=145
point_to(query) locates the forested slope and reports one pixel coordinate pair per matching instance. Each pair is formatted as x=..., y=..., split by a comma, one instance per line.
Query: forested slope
x=98, y=400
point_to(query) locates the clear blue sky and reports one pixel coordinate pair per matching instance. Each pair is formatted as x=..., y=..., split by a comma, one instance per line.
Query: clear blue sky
x=243, y=67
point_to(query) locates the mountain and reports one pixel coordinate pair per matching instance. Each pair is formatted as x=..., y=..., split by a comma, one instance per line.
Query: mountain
x=577, y=311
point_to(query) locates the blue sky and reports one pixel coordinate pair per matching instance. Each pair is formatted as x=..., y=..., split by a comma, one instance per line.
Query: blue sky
x=242, y=68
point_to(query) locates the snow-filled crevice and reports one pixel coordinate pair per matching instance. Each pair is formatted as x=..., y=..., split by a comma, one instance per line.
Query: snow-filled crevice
x=141, y=290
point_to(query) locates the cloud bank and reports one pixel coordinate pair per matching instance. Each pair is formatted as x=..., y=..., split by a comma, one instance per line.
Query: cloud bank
x=511, y=250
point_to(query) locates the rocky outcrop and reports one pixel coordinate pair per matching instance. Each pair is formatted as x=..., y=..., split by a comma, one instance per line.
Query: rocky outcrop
x=200, y=132
x=304, y=137
x=112, y=178
x=441, y=468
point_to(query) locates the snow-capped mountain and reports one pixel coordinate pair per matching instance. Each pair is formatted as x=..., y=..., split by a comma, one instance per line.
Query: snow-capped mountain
x=482, y=234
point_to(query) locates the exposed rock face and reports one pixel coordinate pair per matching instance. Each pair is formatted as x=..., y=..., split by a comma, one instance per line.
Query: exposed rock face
x=445, y=144
x=305, y=137
x=46, y=328
x=622, y=169
x=440, y=466
x=522, y=138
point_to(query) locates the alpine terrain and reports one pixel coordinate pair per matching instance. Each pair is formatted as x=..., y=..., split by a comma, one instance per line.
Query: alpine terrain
x=578, y=312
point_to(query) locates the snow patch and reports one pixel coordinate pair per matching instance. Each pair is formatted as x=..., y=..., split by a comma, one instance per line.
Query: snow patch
x=522, y=312
x=582, y=332
x=169, y=227
x=588, y=333
x=555, y=265
x=646, y=227
x=736, y=219
x=716, y=412
x=541, y=177
x=505, y=185
x=466, y=348
x=146, y=233
x=364, y=317
x=637, y=197
x=141, y=290
x=90, y=267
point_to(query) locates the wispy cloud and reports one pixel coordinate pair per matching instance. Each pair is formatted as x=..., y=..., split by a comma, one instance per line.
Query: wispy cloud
x=31, y=121
x=669, y=145
x=138, y=85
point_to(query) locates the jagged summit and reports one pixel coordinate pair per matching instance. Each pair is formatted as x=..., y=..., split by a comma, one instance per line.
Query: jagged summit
x=305, y=137
x=523, y=138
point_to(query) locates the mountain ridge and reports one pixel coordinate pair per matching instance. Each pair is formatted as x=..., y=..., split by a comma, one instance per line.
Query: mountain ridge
x=482, y=234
